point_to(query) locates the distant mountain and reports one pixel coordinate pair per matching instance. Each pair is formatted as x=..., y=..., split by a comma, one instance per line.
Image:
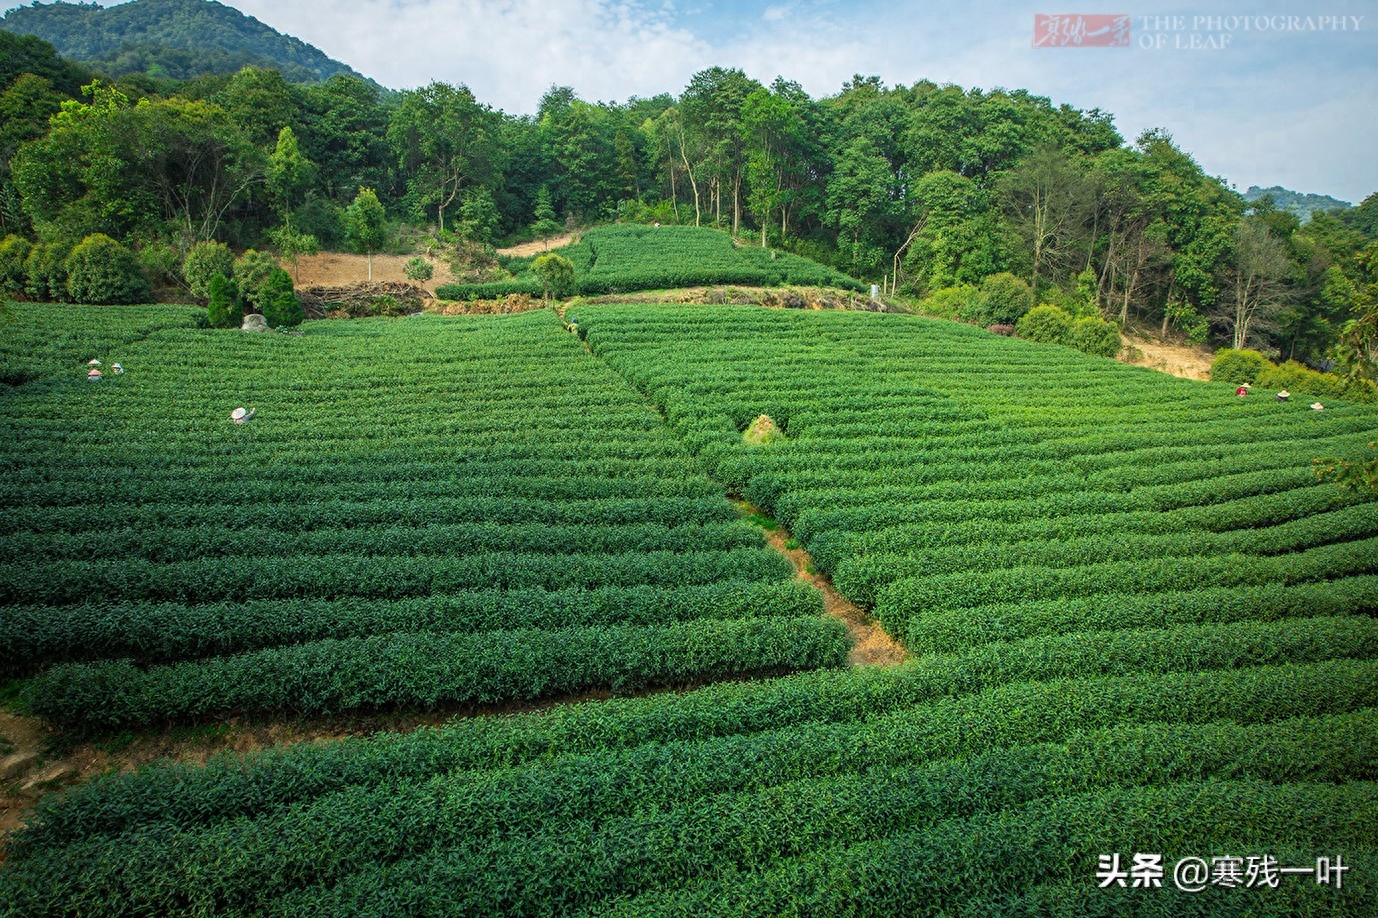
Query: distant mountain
x=1296, y=202
x=173, y=38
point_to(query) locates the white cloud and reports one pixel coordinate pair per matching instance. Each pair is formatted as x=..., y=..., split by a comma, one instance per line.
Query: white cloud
x=775, y=13
x=507, y=52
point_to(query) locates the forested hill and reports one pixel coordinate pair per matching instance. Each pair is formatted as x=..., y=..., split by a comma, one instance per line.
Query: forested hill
x=1296, y=203
x=172, y=38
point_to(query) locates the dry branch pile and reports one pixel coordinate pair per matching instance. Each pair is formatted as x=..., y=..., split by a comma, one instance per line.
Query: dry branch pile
x=368, y=298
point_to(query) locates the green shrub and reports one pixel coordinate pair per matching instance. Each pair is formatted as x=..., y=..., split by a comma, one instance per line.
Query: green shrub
x=556, y=273
x=1237, y=367
x=161, y=263
x=45, y=271
x=251, y=273
x=1046, y=324
x=1297, y=377
x=100, y=270
x=225, y=309
x=205, y=261
x=950, y=302
x=1002, y=300
x=279, y=302
x=419, y=269
x=1095, y=336
x=13, y=250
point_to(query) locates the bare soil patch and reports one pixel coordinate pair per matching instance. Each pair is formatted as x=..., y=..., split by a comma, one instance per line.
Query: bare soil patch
x=337, y=269
x=872, y=645
x=535, y=248
x=1186, y=361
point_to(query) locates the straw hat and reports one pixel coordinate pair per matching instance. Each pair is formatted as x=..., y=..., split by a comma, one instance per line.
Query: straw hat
x=93, y=363
x=116, y=369
x=1317, y=406
x=240, y=415
x=93, y=375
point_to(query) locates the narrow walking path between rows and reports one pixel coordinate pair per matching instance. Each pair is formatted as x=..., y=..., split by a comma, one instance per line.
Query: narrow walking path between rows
x=872, y=645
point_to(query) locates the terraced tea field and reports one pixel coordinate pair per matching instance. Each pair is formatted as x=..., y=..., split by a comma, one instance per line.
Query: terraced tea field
x=420, y=513
x=625, y=258
x=1142, y=631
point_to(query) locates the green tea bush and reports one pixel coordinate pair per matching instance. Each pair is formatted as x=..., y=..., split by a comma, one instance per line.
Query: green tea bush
x=101, y=270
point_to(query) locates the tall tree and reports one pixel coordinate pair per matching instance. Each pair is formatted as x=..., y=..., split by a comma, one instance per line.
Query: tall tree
x=1047, y=203
x=1254, y=285
x=366, y=225
x=445, y=142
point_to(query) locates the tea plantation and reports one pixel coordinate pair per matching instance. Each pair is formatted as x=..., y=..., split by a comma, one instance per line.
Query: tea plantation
x=1142, y=630
x=421, y=512
x=625, y=258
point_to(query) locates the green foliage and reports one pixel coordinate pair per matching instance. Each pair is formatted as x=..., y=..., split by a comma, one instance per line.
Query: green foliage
x=13, y=252
x=1359, y=475
x=205, y=261
x=1299, y=378
x=182, y=37
x=292, y=244
x=45, y=271
x=950, y=302
x=225, y=309
x=290, y=174
x=1095, y=336
x=278, y=301
x=1003, y=300
x=252, y=271
x=1045, y=324
x=100, y=270
x=161, y=263
x=418, y=269
x=556, y=274
x=596, y=555
x=621, y=259
x=365, y=223
x=1185, y=316
x=1237, y=367
x=478, y=216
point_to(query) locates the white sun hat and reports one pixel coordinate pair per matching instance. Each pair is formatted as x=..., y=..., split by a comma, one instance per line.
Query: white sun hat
x=240, y=415
x=1317, y=406
x=116, y=369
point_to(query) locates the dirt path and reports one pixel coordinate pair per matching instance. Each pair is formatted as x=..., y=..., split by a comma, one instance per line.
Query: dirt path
x=336, y=269
x=1178, y=360
x=535, y=248
x=872, y=645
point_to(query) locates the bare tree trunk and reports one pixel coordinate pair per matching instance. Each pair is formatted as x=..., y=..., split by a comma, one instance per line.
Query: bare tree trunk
x=736, y=202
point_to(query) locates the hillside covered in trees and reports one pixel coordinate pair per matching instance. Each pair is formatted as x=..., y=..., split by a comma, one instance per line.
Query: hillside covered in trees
x=170, y=38
x=926, y=189
x=1297, y=203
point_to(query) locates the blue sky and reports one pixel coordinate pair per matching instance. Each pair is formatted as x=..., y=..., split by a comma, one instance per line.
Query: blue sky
x=1266, y=101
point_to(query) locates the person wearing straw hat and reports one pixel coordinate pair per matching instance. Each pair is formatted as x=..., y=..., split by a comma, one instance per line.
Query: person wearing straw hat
x=1242, y=390
x=242, y=415
x=1284, y=395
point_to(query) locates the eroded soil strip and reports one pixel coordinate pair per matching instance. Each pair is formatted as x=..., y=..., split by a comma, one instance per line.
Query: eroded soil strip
x=872, y=645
